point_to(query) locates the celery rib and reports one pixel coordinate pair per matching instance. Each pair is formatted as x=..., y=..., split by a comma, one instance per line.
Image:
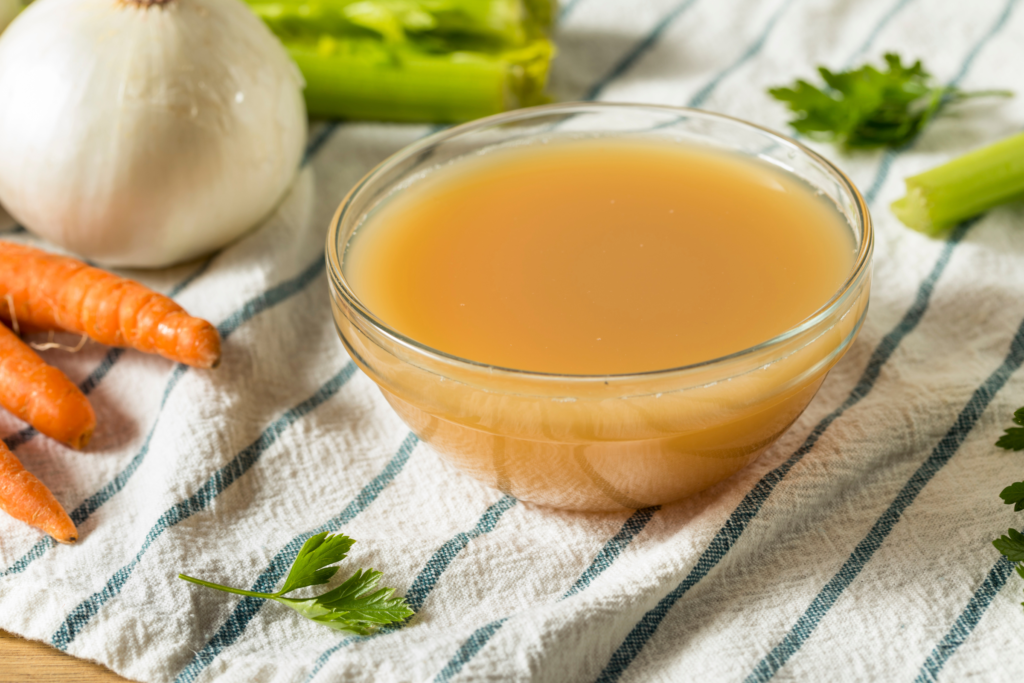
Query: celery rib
x=967, y=186
x=438, y=61
x=412, y=86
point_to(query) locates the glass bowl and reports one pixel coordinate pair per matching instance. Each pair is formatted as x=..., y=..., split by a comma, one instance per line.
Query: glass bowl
x=612, y=442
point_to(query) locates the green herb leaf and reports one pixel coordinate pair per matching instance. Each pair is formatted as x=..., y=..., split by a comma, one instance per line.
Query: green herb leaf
x=356, y=606
x=866, y=107
x=1018, y=416
x=360, y=597
x=1014, y=495
x=1011, y=545
x=310, y=567
x=1013, y=438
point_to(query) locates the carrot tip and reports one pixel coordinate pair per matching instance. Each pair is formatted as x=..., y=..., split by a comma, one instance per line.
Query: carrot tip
x=82, y=440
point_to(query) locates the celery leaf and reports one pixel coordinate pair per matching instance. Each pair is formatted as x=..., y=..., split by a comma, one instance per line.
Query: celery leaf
x=356, y=606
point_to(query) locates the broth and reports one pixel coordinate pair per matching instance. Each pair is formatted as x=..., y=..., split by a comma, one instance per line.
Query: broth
x=599, y=256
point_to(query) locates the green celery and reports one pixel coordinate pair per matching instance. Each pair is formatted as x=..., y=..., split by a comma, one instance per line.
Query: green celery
x=415, y=60
x=967, y=186
x=497, y=23
x=364, y=80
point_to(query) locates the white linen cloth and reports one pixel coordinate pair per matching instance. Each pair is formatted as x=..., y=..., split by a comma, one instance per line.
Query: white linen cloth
x=857, y=548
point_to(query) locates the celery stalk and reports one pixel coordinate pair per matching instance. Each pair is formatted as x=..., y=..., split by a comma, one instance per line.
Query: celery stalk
x=501, y=23
x=415, y=60
x=411, y=86
x=971, y=184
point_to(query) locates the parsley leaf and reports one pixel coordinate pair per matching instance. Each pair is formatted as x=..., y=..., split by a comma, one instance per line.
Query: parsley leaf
x=1013, y=438
x=1011, y=545
x=1014, y=495
x=356, y=606
x=866, y=107
x=310, y=566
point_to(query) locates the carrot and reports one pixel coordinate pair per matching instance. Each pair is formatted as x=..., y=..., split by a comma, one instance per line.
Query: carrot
x=42, y=395
x=54, y=292
x=27, y=499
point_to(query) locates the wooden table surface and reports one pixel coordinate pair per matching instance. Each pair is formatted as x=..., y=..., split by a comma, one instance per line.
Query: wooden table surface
x=27, y=661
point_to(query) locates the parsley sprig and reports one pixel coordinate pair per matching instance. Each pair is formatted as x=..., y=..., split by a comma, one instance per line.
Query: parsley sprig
x=868, y=107
x=1011, y=544
x=356, y=606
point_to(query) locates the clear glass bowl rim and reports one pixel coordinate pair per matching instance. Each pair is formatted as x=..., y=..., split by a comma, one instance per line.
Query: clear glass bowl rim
x=340, y=285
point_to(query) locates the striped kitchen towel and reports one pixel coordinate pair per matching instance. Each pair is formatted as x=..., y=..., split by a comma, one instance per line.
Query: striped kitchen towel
x=857, y=548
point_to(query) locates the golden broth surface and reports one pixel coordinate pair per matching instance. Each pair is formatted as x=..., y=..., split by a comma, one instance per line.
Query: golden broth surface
x=599, y=256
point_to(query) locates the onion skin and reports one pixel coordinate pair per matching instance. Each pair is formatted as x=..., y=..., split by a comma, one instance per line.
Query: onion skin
x=145, y=135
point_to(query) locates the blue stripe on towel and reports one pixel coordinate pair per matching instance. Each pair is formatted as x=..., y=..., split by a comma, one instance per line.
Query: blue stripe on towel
x=702, y=95
x=235, y=626
x=898, y=7
x=431, y=573
x=88, y=384
x=602, y=561
x=247, y=608
x=869, y=41
x=194, y=668
x=105, y=365
x=317, y=140
x=966, y=622
x=468, y=650
x=101, y=370
x=612, y=549
x=641, y=48
x=808, y=622
x=649, y=41
x=737, y=523
x=427, y=579
x=890, y=155
x=80, y=616
x=191, y=277
x=479, y=638
x=865, y=550
x=83, y=511
x=254, y=306
x=80, y=514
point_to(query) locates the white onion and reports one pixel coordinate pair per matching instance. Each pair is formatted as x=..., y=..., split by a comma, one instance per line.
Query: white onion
x=145, y=134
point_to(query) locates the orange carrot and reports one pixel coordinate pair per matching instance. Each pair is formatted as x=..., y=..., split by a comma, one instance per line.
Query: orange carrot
x=54, y=292
x=41, y=394
x=25, y=498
